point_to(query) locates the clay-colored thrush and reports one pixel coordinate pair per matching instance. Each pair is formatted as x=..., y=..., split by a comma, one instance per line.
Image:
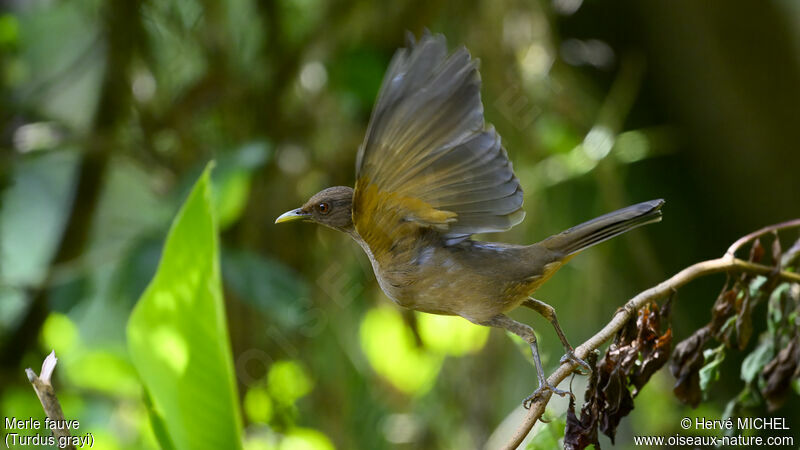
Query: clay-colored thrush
x=429, y=174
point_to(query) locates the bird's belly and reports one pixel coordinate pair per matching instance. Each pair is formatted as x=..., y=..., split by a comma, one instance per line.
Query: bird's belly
x=476, y=281
x=471, y=296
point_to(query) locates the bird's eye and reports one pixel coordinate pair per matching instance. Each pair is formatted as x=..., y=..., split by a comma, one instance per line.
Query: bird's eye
x=324, y=208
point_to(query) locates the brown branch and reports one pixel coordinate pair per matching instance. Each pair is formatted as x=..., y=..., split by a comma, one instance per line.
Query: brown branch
x=47, y=397
x=769, y=229
x=727, y=263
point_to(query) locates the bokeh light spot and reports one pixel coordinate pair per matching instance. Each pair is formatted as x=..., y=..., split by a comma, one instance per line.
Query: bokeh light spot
x=59, y=333
x=392, y=352
x=258, y=405
x=287, y=381
x=450, y=334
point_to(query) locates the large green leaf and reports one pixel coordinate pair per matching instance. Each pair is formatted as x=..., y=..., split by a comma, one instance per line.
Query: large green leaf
x=178, y=338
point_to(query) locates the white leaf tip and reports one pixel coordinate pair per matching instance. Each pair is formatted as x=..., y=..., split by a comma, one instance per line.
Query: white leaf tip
x=48, y=366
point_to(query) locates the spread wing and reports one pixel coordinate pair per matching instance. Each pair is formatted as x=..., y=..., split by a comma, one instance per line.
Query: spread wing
x=428, y=160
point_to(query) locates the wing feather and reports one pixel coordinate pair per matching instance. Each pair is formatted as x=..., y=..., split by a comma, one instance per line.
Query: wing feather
x=428, y=159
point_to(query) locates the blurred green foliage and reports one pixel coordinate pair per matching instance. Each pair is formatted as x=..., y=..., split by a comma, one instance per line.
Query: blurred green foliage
x=178, y=338
x=110, y=110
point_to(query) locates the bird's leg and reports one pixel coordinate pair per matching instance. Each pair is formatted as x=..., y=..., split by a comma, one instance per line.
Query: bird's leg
x=527, y=334
x=549, y=313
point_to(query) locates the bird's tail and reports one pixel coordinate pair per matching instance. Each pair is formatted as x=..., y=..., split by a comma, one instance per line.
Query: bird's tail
x=604, y=227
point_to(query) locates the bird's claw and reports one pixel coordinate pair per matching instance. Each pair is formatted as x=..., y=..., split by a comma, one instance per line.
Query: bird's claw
x=570, y=357
x=544, y=387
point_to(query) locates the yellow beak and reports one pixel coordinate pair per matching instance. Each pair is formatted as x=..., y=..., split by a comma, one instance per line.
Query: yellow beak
x=293, y=215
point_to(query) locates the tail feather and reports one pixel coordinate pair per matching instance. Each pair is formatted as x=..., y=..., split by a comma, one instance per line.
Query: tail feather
x=605, y=227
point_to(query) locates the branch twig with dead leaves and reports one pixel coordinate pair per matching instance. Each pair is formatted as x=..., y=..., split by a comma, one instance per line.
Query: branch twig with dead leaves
x=726, y=264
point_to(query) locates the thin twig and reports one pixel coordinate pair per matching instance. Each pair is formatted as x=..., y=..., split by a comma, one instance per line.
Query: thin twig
x=769, y=229
x=725, y=264
x=47, y=397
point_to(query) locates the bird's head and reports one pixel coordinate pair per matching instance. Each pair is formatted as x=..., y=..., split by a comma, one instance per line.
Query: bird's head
x=331, y=207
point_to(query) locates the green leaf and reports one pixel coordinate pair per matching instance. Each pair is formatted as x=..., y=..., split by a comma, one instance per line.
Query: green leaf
x=709, y=373
x=757, y=359
x=775, y=308
x=157, y=424
x=548, y=435
x=178, y=338
x=756, y=285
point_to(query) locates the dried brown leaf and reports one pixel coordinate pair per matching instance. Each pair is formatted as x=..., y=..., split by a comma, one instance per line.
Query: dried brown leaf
x=653, y=361
x=723, y=309
x=618, y=370
x=613, y=390
x=580, y=433
x=778, y=374
x=653, y=347
x=608, y=396
x=756, y=251
x=666, y=308
x=776, y=251
x=687, y=359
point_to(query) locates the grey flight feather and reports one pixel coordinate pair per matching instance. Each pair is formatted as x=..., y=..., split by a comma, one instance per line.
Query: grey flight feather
x=427, y=140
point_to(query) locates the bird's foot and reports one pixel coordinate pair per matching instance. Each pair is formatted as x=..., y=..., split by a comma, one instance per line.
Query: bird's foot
x=570, y=357
x=541, y=390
